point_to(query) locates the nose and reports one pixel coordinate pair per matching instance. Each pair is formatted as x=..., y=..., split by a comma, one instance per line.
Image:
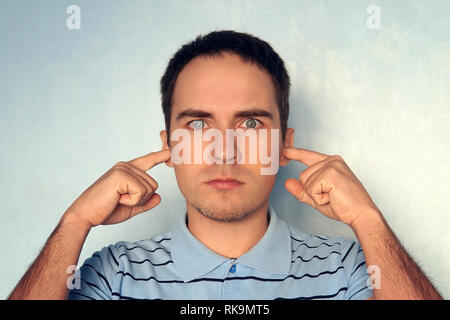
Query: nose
x=225, y=151
x=224, y=156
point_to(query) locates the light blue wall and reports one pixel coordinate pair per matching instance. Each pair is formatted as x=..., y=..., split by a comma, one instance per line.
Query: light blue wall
x=74, y=102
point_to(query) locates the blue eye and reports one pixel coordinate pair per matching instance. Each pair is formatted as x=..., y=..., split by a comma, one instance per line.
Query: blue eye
x=251, y=123
x=197, y=124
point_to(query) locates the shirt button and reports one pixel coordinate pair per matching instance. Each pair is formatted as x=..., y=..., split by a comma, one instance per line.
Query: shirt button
x=233, y=268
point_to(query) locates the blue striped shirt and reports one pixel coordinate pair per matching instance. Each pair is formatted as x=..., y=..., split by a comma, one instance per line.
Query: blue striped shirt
x=285, y=264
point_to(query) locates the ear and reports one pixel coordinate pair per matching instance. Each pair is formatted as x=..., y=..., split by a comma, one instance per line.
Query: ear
x=163, y=135
x=288, y=143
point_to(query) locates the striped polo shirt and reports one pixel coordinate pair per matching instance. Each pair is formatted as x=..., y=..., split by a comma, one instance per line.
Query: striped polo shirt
x=284, y=264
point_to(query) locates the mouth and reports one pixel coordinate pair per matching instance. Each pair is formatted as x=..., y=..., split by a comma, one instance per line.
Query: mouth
x=224, y=183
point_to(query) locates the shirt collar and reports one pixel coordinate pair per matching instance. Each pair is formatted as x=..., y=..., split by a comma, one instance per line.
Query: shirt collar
x=192, y=259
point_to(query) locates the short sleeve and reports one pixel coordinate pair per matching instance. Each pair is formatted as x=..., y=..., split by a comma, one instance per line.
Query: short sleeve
x=96, y=276
x=355, y=267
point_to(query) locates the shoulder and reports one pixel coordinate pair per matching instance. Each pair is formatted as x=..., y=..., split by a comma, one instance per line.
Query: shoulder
x=301, y=239
x=123, y=252
x=323, y=247
x=158, y=245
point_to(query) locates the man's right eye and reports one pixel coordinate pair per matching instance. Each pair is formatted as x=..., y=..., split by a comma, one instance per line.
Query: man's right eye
x=197, y=124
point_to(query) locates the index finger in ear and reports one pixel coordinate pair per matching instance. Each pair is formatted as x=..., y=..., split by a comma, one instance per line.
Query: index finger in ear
x=150, y=160
x=306, y=157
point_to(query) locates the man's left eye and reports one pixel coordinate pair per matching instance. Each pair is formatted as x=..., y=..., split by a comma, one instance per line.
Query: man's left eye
x=251, y=123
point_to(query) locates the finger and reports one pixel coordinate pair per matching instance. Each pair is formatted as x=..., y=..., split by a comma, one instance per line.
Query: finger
x=148, y=161
x=306, y=157
x=306, y=174
x=296, y=188
x=145, y=177
x=319, y=192
x=318, y=187
x=132, y=191
x=151, y=203
x=149, y=184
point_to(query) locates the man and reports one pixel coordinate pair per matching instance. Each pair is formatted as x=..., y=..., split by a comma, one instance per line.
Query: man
x=230, y=244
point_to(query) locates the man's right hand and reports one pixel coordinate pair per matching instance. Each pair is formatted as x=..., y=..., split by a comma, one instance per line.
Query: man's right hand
x=121, y=193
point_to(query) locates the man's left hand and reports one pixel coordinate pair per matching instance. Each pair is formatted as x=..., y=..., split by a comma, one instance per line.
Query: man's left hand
x=329, y=185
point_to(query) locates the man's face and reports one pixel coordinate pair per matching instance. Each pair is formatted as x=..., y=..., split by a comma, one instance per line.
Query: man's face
x=224, y=93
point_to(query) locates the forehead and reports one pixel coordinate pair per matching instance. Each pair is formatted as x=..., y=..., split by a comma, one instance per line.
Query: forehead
x=223, y=85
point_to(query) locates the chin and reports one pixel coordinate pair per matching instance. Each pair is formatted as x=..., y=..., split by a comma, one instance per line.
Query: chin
x=224, y=211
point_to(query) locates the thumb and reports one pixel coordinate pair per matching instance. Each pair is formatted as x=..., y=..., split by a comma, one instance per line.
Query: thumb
x=296, y=188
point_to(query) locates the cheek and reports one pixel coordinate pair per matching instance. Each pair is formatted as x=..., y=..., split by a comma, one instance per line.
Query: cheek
x=184, y=175
x=263, y=149
x=257, y=180
x=189, y=176
x=262, y=187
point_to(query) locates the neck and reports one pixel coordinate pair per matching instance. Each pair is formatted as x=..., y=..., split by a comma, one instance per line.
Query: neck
x=229, y=239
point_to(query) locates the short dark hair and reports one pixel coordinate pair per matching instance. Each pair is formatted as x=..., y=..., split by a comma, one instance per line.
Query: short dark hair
x=248, y=47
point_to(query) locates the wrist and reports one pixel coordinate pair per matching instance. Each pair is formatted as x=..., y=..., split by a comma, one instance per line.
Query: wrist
x=71, y=220
x=369, y=220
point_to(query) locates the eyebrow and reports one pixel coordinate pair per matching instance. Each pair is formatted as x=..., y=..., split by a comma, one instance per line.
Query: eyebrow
x=195, y=113
x=256, y=112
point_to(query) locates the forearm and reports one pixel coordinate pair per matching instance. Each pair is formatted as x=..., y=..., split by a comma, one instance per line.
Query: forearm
x=47, y=276
x=401, y=277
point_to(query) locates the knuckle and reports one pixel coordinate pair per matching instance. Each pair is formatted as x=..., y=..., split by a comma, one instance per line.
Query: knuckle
x=150, y=191
x=148, y=186
x=337, y=161
x=120, y=164
x=139, y=196
x=152, y=182
x=302, y=176
x=119, y=171
x=337, y=157
x=142, y=190
x=332, y=170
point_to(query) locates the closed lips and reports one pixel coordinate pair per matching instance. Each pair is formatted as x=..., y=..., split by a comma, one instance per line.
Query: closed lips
x=224, y=180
